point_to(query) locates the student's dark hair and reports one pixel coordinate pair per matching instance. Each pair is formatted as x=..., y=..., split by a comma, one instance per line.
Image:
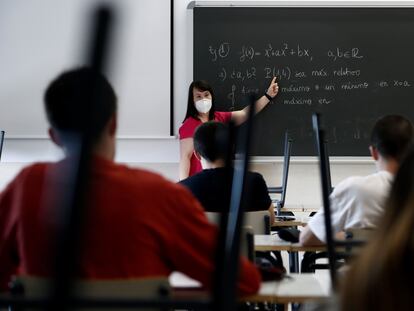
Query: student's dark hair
x=392, y=135
x=211, y=140
x=402, y=190
x=191, y=109
x=68, y=98
x=377, y=279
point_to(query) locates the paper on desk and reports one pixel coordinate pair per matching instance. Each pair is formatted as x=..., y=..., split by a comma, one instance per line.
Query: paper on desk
x=180, y=280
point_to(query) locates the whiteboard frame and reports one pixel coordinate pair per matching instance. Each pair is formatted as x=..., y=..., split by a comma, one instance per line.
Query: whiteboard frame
x=385, y=4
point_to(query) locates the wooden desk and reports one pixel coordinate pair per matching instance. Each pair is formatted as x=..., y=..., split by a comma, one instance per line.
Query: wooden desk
x=298, y=221
x=293, y=256
x=272, y=242
x=300, y=208
x=266, y=243
x=294, y=288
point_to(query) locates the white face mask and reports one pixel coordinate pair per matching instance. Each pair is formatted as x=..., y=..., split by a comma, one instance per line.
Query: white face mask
x=203, y=105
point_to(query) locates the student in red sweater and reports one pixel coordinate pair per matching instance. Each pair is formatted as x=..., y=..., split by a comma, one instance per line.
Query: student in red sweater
x=138, y=224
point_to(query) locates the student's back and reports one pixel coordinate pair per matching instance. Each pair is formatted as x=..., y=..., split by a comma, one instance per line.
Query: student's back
x=358, y=202
x=380, y=278
x=132, y=228
x=212, y=187
x=137, y=223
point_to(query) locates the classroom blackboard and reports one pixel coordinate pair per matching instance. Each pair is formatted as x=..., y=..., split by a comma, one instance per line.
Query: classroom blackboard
x=352, y=65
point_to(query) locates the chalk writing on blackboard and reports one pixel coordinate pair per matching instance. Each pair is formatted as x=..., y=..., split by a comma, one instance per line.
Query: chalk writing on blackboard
x=326, y=79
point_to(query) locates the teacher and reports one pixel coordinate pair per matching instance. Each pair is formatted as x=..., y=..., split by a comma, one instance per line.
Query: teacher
x=200, y=109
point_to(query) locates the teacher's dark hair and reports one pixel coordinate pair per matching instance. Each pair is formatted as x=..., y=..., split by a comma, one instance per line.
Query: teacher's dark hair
x=68, y=97
x=191, y=109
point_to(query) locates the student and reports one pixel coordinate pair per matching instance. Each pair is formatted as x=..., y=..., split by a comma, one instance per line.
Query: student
x=132, y=229
x=200, y=109
x=358, y=202
x=212, y=186
x=380, y=277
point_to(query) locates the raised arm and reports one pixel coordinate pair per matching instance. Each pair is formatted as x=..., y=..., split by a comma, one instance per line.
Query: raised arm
x=186, y=151
x=241, y=115
x=308, y=238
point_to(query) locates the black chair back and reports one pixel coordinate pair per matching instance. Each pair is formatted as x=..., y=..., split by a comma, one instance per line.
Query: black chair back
x=326, y=190
x=328, y=166
x=228, y=249
x=286, y=162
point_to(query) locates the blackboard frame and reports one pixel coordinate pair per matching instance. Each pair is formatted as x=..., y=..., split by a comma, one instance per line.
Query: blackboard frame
x=277, y=4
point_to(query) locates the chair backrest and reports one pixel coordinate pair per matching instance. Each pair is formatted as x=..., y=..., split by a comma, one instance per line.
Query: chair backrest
x=255, y=223
x=286, y=162
x=146, y=288
x=259, y=221
x=247, y=243
x=213, y=217
x=1, y=142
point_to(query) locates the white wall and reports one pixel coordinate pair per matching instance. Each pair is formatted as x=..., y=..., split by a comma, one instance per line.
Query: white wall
x=161, y=153
x=45, y=37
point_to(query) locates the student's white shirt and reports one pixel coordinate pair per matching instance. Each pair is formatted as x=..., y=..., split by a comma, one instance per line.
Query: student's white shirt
x=356, y=202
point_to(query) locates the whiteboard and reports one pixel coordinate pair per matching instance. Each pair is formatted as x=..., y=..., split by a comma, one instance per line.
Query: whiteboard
x=42, y=38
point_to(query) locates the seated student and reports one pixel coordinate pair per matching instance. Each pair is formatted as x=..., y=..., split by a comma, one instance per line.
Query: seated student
x=358, y=202
x=379, y=279
x=132, y=229
x=212, y=186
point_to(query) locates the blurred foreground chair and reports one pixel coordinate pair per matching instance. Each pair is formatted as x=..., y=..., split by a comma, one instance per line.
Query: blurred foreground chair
x=31, y=287
x=338, y=251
